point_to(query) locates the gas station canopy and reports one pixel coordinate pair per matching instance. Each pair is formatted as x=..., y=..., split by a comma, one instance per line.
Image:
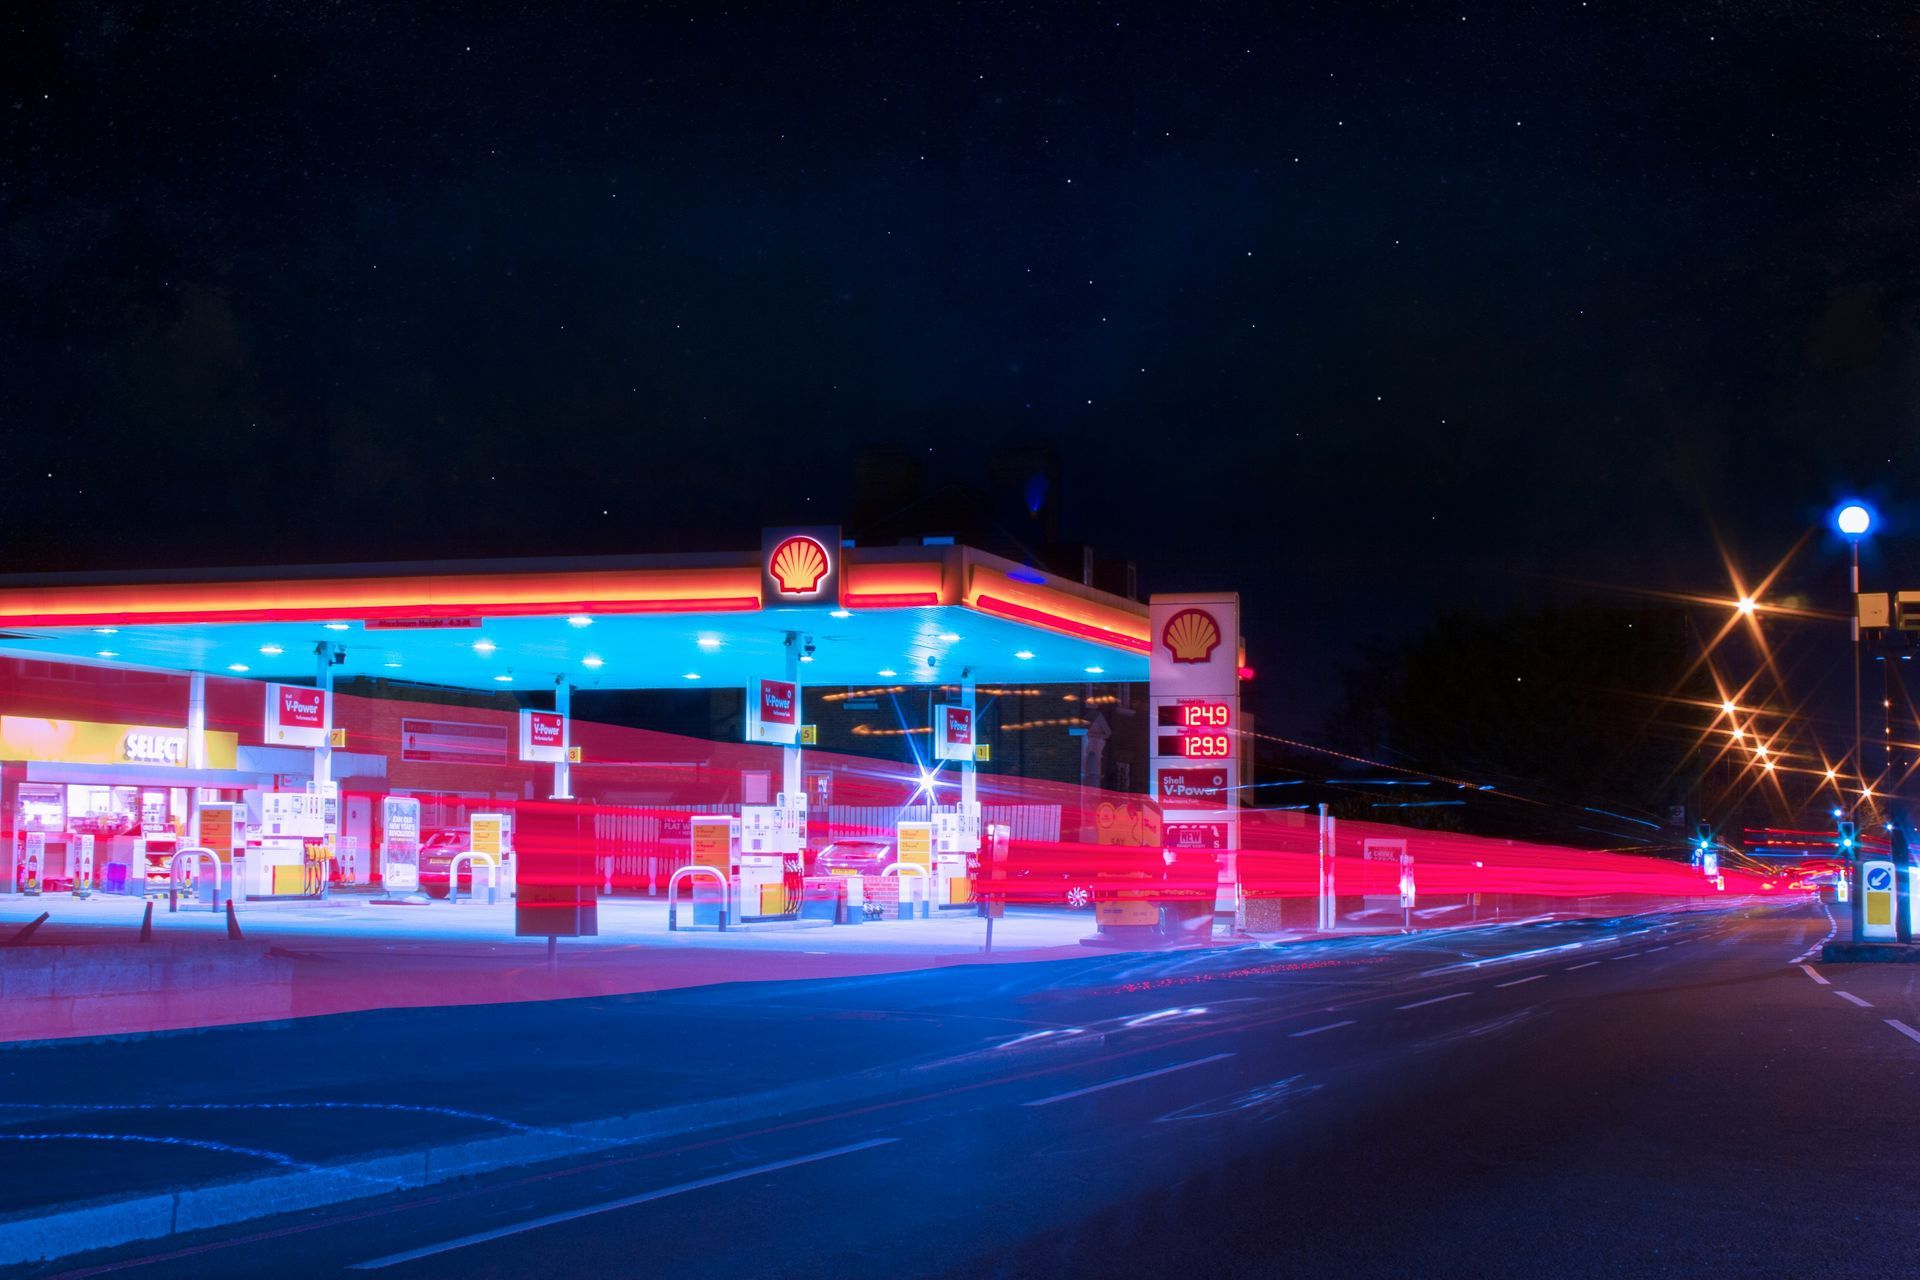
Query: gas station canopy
x=914, y=614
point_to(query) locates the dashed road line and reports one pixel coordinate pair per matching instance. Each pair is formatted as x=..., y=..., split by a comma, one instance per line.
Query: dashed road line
x=1588, y=965
x=1811, y=973
x=1331, y=1026
x=1115, y=1084
x=1630, y=955
x=1517, y=981
x=1904, y=1029
x=1853, y=999
x=1420, y=1004
x=572, y=1215
x=1662, y=947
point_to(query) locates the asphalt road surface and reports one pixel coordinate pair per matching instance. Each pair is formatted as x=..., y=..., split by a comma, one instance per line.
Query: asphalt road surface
x=1681, y=1096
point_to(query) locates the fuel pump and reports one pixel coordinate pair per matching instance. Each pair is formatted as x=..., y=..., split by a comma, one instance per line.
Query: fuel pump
x=956, y=844
x=771, y=836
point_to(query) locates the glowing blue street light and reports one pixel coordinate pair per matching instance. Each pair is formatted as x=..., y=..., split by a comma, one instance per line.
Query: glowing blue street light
x=1853, y=519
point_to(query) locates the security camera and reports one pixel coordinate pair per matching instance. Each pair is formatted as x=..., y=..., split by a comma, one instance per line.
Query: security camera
x=339, y=655
x=806, y=650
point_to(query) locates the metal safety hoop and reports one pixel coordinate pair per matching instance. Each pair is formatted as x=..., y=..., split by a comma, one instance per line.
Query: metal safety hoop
x=173, y=875
x=673, y=889
x=477, y=858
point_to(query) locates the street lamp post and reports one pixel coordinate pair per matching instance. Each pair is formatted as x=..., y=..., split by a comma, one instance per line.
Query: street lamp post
x=1853, y=520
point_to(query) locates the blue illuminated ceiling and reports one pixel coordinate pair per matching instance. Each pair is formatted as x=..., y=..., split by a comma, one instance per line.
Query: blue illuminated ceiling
x=925, y=645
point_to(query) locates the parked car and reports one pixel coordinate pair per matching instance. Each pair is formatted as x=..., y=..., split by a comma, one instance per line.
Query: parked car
x=1042, y=877
x=437, y=853
x=855, y=858
x=1050, y=887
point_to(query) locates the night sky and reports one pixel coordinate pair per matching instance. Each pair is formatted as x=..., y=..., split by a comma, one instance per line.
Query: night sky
x=1360, y=309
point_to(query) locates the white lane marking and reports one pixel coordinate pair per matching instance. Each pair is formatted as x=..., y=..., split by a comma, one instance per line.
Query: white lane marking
x=1815, y=976
x=1903, y=1029
x=571, y=1215
x=1517, y=981
x=1588, y=965
x=1853, y=999
x=1630, y=955
x=1115, y=1084
x=1419, y=1004
x=1662, y=947
x=1331, y=1026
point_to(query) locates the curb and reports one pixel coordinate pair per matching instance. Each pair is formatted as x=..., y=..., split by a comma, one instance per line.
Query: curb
x=67, y=1230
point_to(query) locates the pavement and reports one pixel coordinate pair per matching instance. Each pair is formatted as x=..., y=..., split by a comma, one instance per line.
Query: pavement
x=1659, y=1095
x=347, y=955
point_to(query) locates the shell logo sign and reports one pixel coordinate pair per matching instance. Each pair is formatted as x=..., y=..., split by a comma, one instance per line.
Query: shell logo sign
x=798, y=565
x=1191, y=635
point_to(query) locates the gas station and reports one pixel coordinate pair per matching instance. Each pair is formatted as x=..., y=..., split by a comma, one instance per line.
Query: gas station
x=257, y=814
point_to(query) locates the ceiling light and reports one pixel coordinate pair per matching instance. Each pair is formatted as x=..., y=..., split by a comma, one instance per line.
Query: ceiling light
x=106, y=631
x=888, y=673
x=1024, y=654
x=579, y=620
x=105, y=653
x=840, y=613
x=391, y=666
x=947, y=637
x=237, y=666
x=691, y=675
x=336, y=626
x=272, y=650
x=505, y=677
x=484, y=646
x=709, y=643
x=1096, y=671
x=806, y=657
x=593, y=661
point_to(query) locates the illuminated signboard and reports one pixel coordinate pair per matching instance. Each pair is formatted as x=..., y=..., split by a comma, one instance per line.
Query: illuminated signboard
x=953, y=733
x=1194, y=788
x=1194, y=835
x=800, y=566
x=297, y=717
x=1194, y=692
x=774, y=712
x=1196, y=715
x=543, y=736
x=1205, y=729
x=1191, y=636
x=1196, y=746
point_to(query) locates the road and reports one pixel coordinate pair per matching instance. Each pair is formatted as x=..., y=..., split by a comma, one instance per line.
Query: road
x=1669, y=1096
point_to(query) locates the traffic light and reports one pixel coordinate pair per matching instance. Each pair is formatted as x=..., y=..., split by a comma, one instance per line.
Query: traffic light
x=1847, y=838
x=1702, y=843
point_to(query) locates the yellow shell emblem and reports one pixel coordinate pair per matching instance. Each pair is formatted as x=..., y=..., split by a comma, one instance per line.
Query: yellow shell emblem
x=1191, y=635
x=798, y=565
